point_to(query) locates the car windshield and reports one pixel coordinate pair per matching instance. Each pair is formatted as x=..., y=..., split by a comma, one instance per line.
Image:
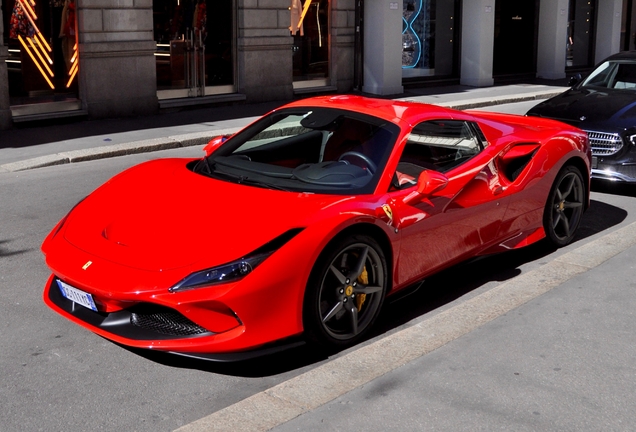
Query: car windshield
x=615, y=74
x=310, y=149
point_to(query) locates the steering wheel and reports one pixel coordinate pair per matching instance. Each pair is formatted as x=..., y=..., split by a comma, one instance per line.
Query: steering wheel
x=369, y=163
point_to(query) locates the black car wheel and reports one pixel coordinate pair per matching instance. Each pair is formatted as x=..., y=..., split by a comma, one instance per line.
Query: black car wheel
x=345, y=292
x=565, y=206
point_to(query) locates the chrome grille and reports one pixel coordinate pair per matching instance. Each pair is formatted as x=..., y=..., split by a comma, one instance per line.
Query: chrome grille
x=604, y=143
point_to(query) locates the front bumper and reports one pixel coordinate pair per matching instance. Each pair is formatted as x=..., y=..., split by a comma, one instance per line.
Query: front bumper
x=615, y=172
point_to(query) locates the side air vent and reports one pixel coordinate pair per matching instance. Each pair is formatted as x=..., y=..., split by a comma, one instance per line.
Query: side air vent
x=513, y=161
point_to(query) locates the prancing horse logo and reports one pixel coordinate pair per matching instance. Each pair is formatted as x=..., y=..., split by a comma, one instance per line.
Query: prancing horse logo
x=87, y=265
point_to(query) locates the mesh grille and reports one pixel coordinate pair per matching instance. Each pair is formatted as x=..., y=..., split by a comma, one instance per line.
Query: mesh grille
x=168, y=323
x=605, y=144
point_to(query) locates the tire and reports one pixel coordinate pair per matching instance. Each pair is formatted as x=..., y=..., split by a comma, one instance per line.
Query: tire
x=341, y=304
x=564, y=207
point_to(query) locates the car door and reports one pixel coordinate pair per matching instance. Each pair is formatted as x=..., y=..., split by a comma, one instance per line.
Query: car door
x=456, y=221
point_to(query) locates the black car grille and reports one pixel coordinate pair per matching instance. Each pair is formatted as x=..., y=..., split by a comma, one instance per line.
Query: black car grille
x=604, y=143
x=166, y=322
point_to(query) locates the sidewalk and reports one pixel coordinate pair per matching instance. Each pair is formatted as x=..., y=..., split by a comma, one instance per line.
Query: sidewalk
x=35, y=147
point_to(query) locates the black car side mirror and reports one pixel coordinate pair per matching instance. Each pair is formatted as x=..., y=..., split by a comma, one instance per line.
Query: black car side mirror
x=574, y=80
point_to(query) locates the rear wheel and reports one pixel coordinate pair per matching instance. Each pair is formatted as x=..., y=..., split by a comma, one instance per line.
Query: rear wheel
x=564, y=207
x=345, y=292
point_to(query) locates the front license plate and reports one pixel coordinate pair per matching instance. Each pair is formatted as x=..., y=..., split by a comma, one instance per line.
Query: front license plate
x=594, y=162
x=76, y=295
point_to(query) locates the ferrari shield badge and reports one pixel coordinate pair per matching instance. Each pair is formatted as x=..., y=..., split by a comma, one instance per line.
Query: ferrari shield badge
x=87, y=265
x=388, y=212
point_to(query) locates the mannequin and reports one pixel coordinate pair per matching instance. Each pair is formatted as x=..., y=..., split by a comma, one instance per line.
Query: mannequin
x=20, y=24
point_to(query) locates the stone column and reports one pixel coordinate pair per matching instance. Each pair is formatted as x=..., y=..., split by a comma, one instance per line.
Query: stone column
x=342, y=44
x=478, y=38
x=5, y=112
x=608, y=28
x=264, y=50
x=117, y=68
x=553, y=21
x=383, y=47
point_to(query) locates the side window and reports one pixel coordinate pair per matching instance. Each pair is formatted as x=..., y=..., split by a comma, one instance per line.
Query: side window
x=438, y=145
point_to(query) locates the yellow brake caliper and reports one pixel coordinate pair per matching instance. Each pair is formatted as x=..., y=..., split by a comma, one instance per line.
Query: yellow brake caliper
x=364, y=280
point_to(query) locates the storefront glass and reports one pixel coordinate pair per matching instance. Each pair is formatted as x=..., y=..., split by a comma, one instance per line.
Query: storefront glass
x=580, y=34
x=195, y=47
x=429, y=38
x=43, y=62
x=310, y=28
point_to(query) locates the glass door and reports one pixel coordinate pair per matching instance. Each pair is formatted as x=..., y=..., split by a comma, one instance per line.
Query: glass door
x=195, y=47
x=429, y=34
x=580, y=37
x=310, y=29
x=515, y=42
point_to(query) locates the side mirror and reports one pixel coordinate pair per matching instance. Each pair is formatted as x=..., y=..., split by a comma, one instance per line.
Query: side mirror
x=428, y=183
x=214, y=143
x=574, y=80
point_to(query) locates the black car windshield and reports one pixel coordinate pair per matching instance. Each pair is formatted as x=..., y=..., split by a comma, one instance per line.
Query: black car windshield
x=309, y=149
x=614, y=74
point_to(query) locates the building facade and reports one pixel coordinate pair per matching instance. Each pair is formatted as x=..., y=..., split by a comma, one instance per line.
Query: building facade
x=113, y=58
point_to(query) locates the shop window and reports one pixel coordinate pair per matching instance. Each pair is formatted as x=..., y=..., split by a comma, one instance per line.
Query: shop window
x=195, y=47
x=310, y=29
x=429, y=38
x=43, y=62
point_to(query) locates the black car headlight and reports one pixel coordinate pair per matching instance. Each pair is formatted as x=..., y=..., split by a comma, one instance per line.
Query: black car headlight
x=234, y=270
x=223, y=273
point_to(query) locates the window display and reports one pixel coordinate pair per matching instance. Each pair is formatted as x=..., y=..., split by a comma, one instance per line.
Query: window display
x=195, y=49
x=43, y=58
x=429, y=35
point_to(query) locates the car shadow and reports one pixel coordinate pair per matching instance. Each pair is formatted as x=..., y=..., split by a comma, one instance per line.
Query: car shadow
x=418, y=300
x=280, y=362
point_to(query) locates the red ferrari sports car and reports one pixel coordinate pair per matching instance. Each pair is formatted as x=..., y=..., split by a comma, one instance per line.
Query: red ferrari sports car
x=299, y=226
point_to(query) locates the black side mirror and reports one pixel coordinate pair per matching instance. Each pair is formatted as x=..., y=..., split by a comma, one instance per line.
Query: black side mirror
x=574, y=80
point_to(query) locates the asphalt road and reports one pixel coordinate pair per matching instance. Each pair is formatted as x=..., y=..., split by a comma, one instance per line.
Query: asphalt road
x=57, y=376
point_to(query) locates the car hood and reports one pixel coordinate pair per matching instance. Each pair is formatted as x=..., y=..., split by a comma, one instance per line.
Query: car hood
x=160, y=216
x=589, y=109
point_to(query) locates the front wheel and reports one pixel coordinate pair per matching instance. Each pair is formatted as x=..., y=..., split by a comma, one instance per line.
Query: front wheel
x=345, y=292
x=564, y=208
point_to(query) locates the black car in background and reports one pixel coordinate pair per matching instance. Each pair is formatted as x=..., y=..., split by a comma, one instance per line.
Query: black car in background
x=603, y=105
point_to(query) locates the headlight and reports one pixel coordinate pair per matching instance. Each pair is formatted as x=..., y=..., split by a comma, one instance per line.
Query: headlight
x=224, y=273
x=236, y=269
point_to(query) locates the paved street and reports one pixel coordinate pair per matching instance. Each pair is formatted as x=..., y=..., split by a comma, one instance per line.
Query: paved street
x=562, y=361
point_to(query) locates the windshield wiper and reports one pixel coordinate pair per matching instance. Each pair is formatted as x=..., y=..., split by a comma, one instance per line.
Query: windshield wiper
x=252, y=182
x=241, y=179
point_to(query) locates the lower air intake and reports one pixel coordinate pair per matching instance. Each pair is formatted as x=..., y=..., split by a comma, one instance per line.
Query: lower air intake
x=166, y=322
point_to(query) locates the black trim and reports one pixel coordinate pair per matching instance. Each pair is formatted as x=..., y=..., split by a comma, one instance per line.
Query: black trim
x=264, y=350
x=118, y=323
